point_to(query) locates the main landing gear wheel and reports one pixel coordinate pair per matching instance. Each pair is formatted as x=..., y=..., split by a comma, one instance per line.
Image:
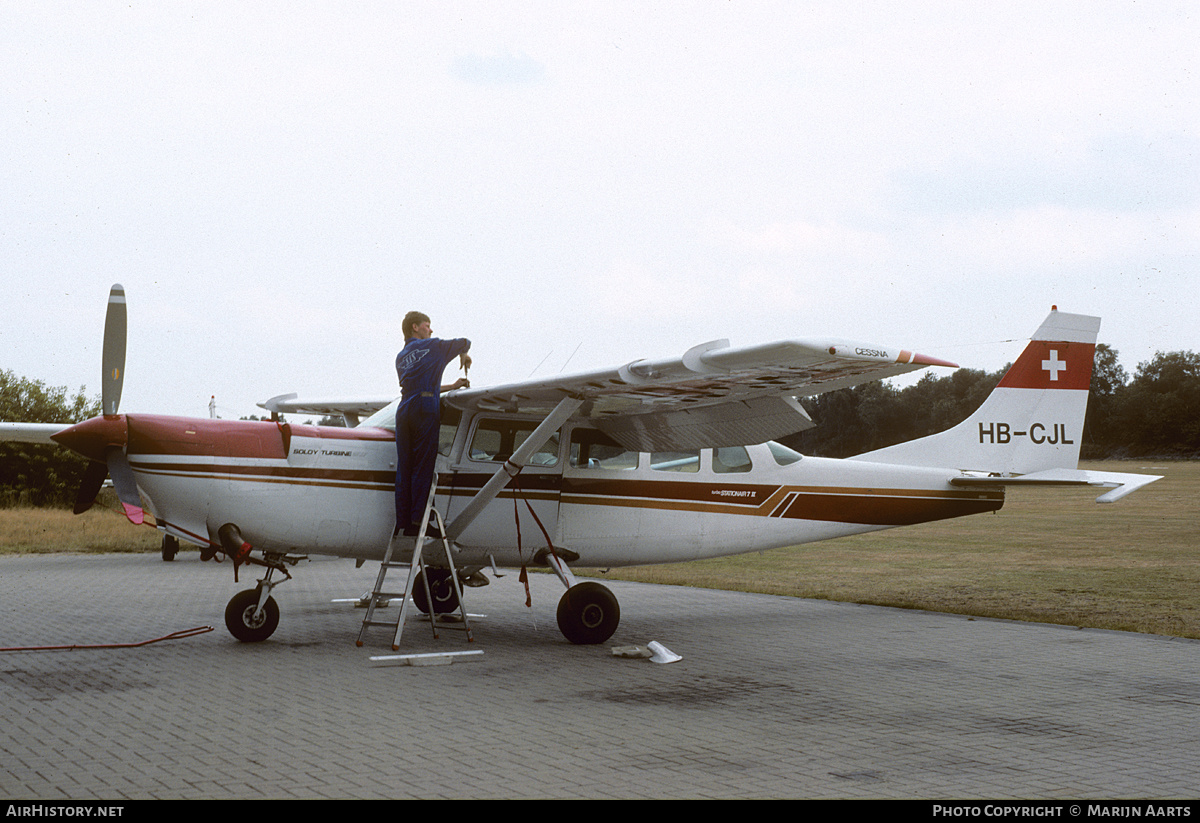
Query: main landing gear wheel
x=170, y=547
x=441, y=587
x=588, y=613
x=242, y=622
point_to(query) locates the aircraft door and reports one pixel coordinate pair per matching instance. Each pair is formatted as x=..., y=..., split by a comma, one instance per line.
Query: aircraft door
x=490, y=440
x=602, y=479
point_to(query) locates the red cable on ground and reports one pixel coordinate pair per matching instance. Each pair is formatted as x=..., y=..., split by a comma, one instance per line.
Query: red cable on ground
x=179, y=635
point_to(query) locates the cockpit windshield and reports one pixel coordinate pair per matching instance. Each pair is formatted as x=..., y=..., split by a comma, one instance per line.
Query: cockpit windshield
x=783, y=455
x=385, y=418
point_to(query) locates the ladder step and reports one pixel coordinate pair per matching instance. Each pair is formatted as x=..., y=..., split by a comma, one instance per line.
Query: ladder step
x=415, y=565
x=390, y=625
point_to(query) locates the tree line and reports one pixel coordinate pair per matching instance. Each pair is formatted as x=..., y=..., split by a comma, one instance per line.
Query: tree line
x=40, y=475
x=1154, y=413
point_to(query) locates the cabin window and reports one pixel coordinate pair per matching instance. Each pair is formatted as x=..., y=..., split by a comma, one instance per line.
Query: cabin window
x=783, y=455
x=496, y=440
x=683, y=461
x=593, y=449
x=731, y=459
x=449, y=427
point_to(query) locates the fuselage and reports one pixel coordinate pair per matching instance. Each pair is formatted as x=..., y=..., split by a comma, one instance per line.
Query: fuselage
x=303, y=489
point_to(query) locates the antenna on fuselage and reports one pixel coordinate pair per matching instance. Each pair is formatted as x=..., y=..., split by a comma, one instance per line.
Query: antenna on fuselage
x=564, y=365
x=540, y=362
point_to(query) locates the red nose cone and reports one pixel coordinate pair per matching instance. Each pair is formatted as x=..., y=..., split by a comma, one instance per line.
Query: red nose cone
x=91, y=437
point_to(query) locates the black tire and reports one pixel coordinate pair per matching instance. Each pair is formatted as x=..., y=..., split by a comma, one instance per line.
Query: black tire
x=445, y=598
x=588, y=614
x=239, y=617
x=170, y=547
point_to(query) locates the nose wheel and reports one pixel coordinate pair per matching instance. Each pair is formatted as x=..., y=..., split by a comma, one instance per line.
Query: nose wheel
x=246, y=621
x=253, y=615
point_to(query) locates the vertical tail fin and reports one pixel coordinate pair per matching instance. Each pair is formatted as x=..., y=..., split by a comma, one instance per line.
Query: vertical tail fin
x=1032, y=420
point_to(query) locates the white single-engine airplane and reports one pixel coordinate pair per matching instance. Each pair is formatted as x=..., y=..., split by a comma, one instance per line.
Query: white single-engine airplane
x=656, y=461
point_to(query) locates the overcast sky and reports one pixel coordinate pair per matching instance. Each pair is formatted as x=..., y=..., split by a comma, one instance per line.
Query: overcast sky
x=577, y=185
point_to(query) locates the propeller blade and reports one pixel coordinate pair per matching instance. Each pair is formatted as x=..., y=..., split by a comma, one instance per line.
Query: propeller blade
x=127, y=490
x=113, y=358
x=93, y=478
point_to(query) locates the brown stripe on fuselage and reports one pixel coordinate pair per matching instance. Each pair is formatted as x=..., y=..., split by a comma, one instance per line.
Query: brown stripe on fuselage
x=270, y=474
x=473, y=481
x=299, y=472
x=748, y=494
x=889, y=507
x=883, y=507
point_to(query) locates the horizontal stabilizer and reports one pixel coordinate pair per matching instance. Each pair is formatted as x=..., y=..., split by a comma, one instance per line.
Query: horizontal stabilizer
x=1120, y=483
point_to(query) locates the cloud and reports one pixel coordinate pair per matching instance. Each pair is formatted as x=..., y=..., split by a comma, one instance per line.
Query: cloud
x=1112, y=172
x=499, y=69
x=626, y=179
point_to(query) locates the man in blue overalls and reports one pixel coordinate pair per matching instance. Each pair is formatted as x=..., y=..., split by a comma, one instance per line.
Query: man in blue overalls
x=419, y=366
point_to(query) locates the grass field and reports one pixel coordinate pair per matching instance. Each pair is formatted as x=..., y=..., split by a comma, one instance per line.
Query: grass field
x=1052, y=555
x=101, y=530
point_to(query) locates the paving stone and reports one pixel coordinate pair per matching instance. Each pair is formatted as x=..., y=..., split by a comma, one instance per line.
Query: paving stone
x=773, y=697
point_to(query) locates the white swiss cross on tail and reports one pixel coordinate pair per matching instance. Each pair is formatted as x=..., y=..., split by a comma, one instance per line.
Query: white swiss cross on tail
x=1053, y=365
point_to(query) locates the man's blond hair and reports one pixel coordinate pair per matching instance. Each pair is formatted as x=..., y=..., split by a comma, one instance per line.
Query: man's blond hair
x=413, y=318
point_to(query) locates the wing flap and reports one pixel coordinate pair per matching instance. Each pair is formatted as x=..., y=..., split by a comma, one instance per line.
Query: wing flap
x=736, y=423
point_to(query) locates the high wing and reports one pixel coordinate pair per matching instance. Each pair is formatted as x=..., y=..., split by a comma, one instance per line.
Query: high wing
x=713, y=395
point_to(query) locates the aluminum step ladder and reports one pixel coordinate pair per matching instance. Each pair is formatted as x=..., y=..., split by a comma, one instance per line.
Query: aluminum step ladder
x=379, y=596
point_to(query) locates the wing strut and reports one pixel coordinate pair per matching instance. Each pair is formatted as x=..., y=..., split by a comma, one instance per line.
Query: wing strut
x=565, y=408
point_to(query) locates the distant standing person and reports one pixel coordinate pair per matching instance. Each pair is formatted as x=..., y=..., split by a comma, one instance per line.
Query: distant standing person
x=419, y=366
